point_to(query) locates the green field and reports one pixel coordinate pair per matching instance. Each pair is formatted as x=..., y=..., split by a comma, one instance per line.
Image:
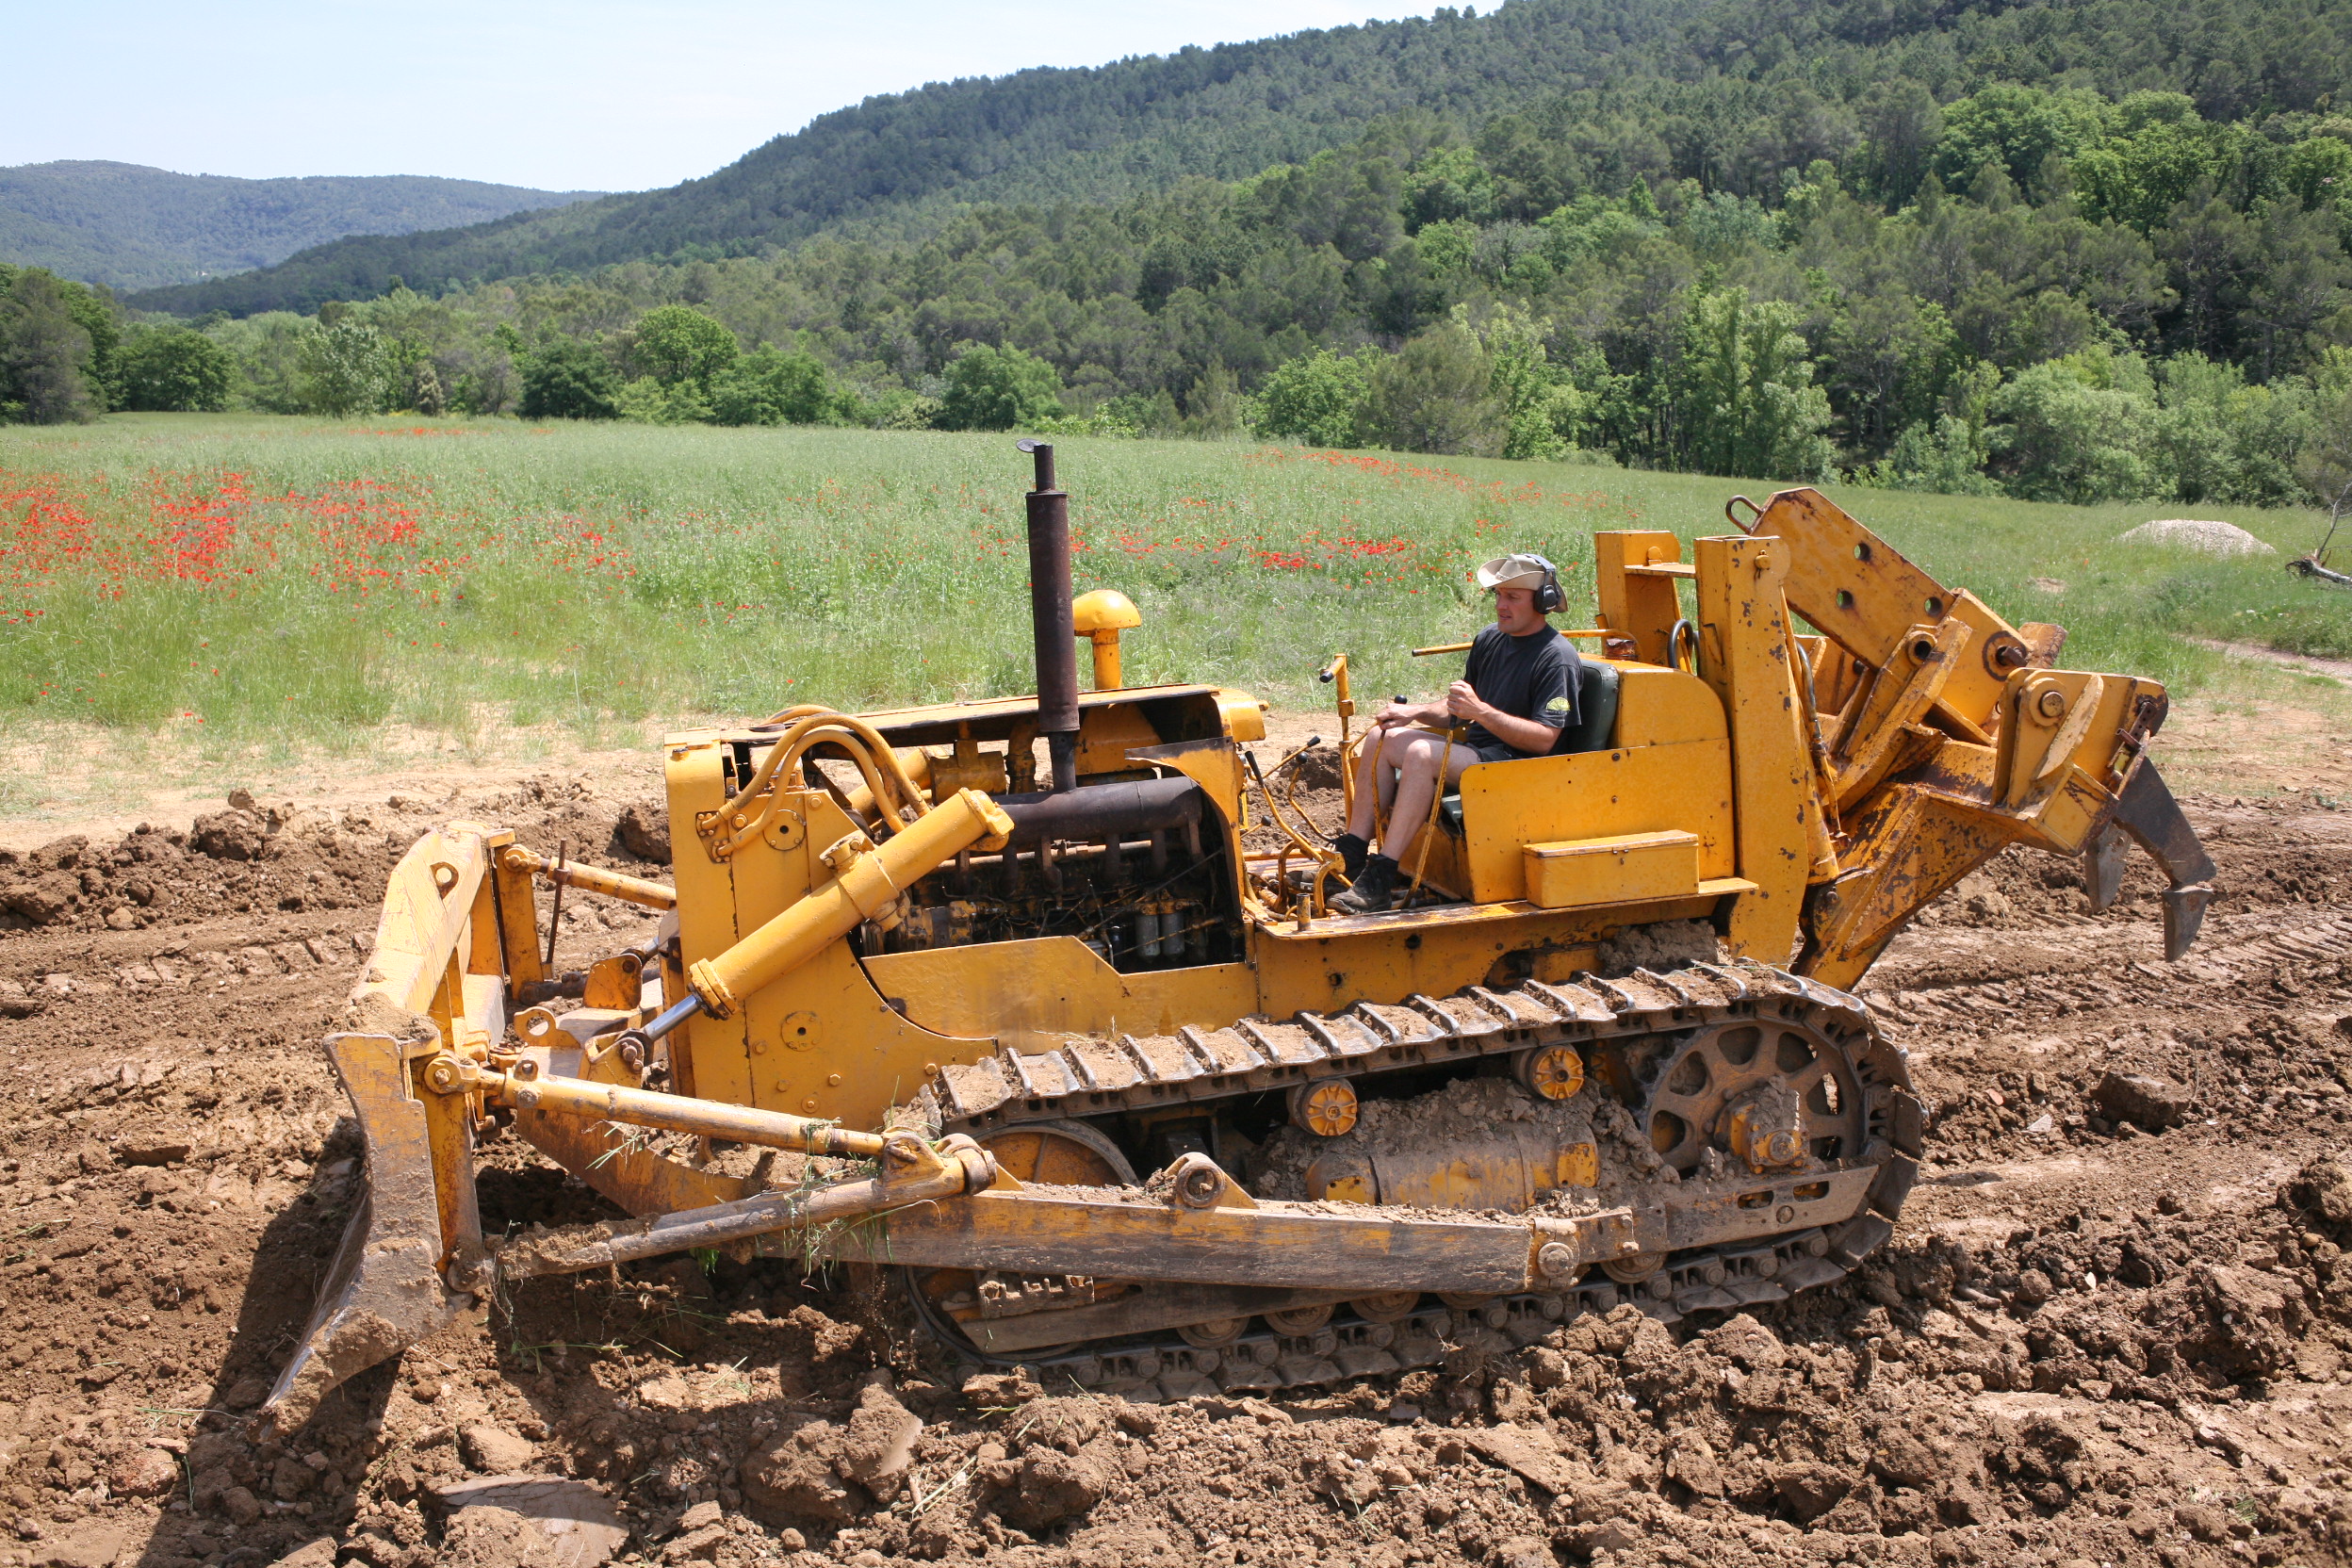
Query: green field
x=249, y=586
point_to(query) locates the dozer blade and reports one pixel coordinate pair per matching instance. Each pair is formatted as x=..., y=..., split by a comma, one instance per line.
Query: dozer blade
x=384, y=1291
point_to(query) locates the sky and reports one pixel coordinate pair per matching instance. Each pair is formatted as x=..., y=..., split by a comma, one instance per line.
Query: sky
x=579, y=95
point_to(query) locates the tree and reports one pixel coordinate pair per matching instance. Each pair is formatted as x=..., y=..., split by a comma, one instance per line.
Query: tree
x=675, y=343
x=767, y=388
x=1542, y=409
x=1446, y=246
x=2137, y=180
x=347, y=368
x=567, y=378
x=1721, y=225
x=2083, y=429
x=2213, y=248
x=44, y=354
x=2318, y=172
x=2225, y=441
x=1318, y=398
x=2324, y=464
x=95, y=313
x=171, y=370
x=2018, y=128
x=268, y=353
x=1747, y=402
x=2298, y=288
x=1901, y=126
x=1174, y=308
x=1436, y=394
x=991, y=388
x=1889, y=355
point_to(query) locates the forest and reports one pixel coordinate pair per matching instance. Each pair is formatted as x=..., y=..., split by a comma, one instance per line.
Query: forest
x=1736, y=94
x=1914, y=277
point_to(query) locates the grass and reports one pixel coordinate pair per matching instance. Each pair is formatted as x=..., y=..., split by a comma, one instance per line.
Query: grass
x=231, y=587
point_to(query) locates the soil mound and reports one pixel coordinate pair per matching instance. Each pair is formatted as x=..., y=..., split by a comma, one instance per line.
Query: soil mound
x=254, y=857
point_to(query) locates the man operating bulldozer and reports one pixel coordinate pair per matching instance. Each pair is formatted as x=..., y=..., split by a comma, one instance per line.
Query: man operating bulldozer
x=1516, y=694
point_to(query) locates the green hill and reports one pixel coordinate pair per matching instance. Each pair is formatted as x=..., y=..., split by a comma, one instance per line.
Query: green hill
x=902, y=164
x=1101, y=134
x=134, y=227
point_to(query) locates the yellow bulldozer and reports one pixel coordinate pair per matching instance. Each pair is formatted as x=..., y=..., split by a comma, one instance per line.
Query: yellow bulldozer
x=1125, y=1098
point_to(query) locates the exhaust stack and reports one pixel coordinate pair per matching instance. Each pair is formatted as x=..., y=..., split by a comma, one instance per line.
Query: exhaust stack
x=1048, y=610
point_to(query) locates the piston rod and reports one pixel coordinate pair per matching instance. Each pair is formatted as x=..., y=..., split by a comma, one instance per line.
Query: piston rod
x=675, y=1112
x=590, y=879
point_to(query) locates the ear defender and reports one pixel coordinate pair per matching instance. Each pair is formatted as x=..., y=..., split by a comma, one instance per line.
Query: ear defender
x=1548, y=599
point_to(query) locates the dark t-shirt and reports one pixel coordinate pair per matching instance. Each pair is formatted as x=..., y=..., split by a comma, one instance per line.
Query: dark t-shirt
x=1529, y=677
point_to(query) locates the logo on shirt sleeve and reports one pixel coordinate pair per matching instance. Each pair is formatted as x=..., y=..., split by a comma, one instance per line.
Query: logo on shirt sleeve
x=1557, y=705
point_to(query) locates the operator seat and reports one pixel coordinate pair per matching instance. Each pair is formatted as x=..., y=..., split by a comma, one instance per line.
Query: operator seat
x=1596, y=724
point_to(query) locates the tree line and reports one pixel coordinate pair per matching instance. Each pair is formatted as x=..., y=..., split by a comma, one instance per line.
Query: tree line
x=69, y=352
x=2047, y=293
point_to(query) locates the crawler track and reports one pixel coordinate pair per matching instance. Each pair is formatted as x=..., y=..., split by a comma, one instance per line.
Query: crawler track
x=1631, y=1030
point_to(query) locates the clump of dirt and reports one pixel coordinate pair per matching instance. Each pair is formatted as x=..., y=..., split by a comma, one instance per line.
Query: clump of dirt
x=1395, y=1143
x=2115, y=1323
x=252, y=857
x=1662, y=948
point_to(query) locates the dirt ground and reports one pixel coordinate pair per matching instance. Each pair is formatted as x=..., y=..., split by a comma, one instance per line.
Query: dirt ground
x=2107, y=1331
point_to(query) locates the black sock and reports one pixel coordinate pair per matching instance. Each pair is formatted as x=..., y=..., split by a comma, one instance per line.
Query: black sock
x=1352, y=851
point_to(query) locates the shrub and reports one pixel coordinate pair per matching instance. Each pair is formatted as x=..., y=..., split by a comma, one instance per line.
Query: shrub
x=647, y=400
x=769, y=388
x=992, y=388
x=569, y=380
x=347, y=368
x=1320, y=399
x=1946, y=457
x=171, y=370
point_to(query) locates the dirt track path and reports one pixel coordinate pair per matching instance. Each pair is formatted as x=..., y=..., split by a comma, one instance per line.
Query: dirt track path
x=2086, y=1343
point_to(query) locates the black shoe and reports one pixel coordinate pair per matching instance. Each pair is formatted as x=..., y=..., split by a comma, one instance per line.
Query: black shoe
x=1373, y=892
x=1351, y=853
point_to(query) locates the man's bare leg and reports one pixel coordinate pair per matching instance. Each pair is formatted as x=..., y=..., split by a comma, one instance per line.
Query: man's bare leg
x=1417, y=755
x=1406, y=769
x=1372, y=782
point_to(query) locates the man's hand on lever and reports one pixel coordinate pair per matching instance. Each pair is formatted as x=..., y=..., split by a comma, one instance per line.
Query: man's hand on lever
x=1401, y=714
x=1460, y=705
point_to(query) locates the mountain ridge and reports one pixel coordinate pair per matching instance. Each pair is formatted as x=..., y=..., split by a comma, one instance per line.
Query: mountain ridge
x=134, y=226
